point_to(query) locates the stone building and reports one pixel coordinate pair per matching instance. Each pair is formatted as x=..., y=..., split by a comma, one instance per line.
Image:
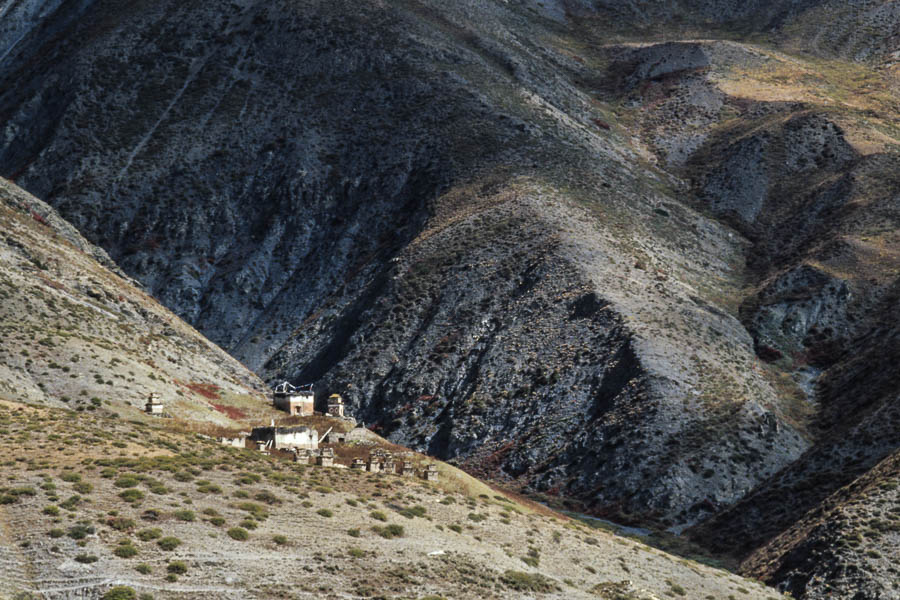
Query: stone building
x=431, y=473
x=235, y=442
x=305, y=456
x=292, y=400
x=325, y=458
x=374, y=464
x=408, y=469
x=335, y=405
x=278, y=438
x=358, y=464
x=154, y=405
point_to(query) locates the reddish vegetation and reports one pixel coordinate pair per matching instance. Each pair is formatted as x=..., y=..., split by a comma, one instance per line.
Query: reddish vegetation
x=601, y=124
x=210, y=391
x=40, y=219
x=230, y=411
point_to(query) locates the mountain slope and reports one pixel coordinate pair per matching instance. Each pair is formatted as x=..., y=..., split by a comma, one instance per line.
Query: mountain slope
x=568, y=245
x=77, y=334
x=437, y=143
x=175, y=516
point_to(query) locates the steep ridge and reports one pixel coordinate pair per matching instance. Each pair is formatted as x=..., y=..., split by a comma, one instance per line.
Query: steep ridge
x=400, y=224
x=79, y=335
x=808, y=175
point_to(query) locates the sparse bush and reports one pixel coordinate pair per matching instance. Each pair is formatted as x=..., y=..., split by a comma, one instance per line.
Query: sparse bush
x=70, y=503
x=79, y=532
x=415, y=511
x=356, y=552
x=120, y=592
x=144, y=569
x=51, y=510
x=280, y=540
x=169, y=543
x=126, y=481
x=238, y=533
x=132, y=495
x=324, y=512
x=527, y=582
x=83, y=487
x=179, y=567
x=267, y=497
x=86, y=558
x=378, y=515
x=121, y=523
x=390, y=531
x=125, y=551
x=353, y=532
x=148, y=535
x=185, y=515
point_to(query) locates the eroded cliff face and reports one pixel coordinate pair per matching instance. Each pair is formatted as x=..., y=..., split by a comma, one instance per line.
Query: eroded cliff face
x=626, y=274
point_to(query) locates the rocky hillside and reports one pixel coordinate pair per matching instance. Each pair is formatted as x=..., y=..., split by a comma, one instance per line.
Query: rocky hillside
x=412, y=228
x=79, y=335
x=559, y=243
x=167, y=515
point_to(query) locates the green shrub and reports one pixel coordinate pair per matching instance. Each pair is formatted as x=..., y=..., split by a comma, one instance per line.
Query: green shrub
x=527, y=582
x=132, y=495
x=238, y=533
x=356, y=552
x=353, y=532
x=388, y=532
x=179, y=567
x=121, y=523
x=86, y=558
x=415, y=511
x=456, y=528
x=70, y=503
x=217, y=521
x=83, y=487
x=185, y=515
x=144, y=569
x=127, y=481
x=169, y=543
x=70, y=476
x=125, y=551
x=280, y=540
x=324, y=512
x=267, y=497
x=378, y=515
x=120, y=592
x=56, y=532
x=51, y=510
x=79, y=532
x=257, y=510
x=147, y=535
